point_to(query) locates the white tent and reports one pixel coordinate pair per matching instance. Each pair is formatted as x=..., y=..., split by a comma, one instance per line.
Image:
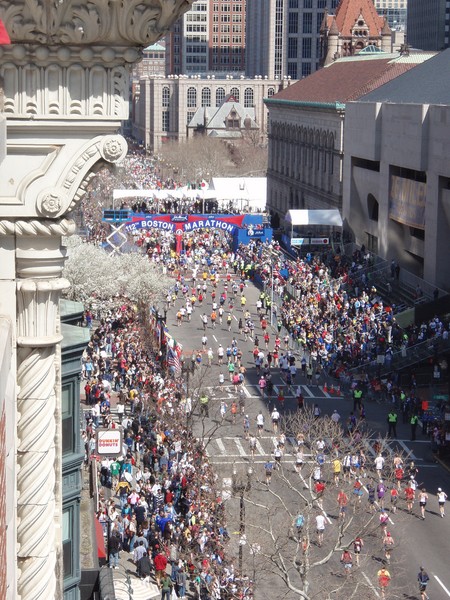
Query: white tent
x=330, y=217
x=249, y=193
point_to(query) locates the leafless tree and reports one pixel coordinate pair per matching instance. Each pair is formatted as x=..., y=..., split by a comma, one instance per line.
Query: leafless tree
x=289, y=548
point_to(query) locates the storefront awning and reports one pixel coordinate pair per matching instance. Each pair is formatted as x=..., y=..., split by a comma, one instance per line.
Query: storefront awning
x=329, y=217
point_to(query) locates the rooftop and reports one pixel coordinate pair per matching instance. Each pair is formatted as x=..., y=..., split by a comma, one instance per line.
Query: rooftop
x=428, y=84
x=349, y=78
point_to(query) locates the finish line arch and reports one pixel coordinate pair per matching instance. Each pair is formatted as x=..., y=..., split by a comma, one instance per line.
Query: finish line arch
x=243, y=228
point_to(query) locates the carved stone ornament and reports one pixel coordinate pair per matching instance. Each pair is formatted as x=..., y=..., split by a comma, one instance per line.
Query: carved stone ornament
x=113, y=148
x=50, y=203
x=124, y=22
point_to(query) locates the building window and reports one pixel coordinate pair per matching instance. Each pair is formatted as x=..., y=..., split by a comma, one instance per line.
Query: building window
x=321, y=3
x=307, y=3
x=68, y=434
x=372, y=207
x=233, y=121
x=235, y=93
x=220, y=96
x=293, y=22
x=191, y=97
x=307, y=22
x=293, y=3
x=292, y=70
x=306, y=48
x=165, y=97
x=67, y=541
x=248, y=98
x=189, y=116
x=206, y=97
x=270, y=92
x=306, y=69
x=292, y=47
x=165, y=120
x=319, y=21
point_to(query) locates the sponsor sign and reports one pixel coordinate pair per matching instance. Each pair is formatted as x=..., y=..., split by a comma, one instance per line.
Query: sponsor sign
x=109, y=442
x=299, y=241
x=319, y=241
x=186, y=223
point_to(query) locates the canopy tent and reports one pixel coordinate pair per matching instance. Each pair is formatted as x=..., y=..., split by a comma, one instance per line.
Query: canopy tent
x=330, y=217
x=247, y=192
x=162, y=194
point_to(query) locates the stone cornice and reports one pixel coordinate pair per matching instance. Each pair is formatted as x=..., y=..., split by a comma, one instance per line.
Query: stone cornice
x=109, y=22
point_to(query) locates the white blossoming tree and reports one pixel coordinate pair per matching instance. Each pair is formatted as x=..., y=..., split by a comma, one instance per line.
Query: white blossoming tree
x=95, y=275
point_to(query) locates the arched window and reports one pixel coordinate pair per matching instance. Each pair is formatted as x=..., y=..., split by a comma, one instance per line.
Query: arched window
x=270, y=92
x=206, y=97
x=235, y=93
x=372, y=207
x=192, y=97
x=165, y=97
x=220, y=96
x=248, y=97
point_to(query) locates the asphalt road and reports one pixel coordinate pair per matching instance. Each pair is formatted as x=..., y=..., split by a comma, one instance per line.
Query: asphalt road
x=418, y=542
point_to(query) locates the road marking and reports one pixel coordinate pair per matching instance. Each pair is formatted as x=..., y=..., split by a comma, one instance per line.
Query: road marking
x=308, y=391
x=240, y=448
x=221, y=446
x=368, y=447
x=442, y=585
x=246, y=392
x=370, y=584
x=409, y=452
x=214, y=338
x=260, y=448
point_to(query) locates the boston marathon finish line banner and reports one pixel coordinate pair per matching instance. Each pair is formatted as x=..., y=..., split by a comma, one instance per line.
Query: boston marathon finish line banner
x=243, y=228
x=182, y=223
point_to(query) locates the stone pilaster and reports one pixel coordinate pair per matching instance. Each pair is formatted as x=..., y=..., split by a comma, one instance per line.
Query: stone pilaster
x=39, y=259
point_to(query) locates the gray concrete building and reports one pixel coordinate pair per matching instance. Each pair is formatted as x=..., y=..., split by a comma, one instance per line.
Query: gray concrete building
x=396, y=187
x=306, y=129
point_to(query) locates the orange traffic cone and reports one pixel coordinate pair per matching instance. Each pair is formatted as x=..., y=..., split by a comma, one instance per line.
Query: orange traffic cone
x=325, y=389
x=332, y=389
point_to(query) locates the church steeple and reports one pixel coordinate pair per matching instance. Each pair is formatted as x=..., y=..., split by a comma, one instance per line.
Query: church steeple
x=355, y=25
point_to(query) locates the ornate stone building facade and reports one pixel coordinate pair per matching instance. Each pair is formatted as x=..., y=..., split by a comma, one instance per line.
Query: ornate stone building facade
x=354, y=26
x=164, y=107
x=66, y=81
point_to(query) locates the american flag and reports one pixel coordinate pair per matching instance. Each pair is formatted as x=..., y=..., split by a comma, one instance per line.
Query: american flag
x=173, y=360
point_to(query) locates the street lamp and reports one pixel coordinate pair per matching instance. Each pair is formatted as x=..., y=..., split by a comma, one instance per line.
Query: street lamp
x=240, y=487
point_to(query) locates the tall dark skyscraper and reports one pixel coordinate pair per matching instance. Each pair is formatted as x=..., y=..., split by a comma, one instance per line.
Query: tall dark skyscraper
x=428, y=24
x=283, y=36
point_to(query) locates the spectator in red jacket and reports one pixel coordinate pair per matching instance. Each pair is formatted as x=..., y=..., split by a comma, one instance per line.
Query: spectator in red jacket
x=160, y=567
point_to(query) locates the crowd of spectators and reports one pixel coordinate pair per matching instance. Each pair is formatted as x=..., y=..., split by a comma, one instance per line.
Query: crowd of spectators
x=159, y=501
x=337, y=317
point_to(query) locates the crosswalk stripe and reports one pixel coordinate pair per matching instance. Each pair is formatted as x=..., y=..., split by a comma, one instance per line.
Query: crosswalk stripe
x=308, y=391
x=409, y=452
x=368, y=447
x=240, y=448
x=221, y=446
x=259, y=448
x=246, y=392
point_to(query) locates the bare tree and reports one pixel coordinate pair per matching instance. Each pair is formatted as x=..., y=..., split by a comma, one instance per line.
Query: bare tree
x=283, y=517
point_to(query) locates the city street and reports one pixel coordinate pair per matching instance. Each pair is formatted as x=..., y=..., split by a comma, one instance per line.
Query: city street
x=417, y=543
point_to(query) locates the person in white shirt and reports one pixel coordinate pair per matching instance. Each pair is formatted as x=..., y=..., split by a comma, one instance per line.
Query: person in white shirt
x=335, y=417
x=260, y=423
x=379, y=463
x=320, y=526
x=442, y=497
